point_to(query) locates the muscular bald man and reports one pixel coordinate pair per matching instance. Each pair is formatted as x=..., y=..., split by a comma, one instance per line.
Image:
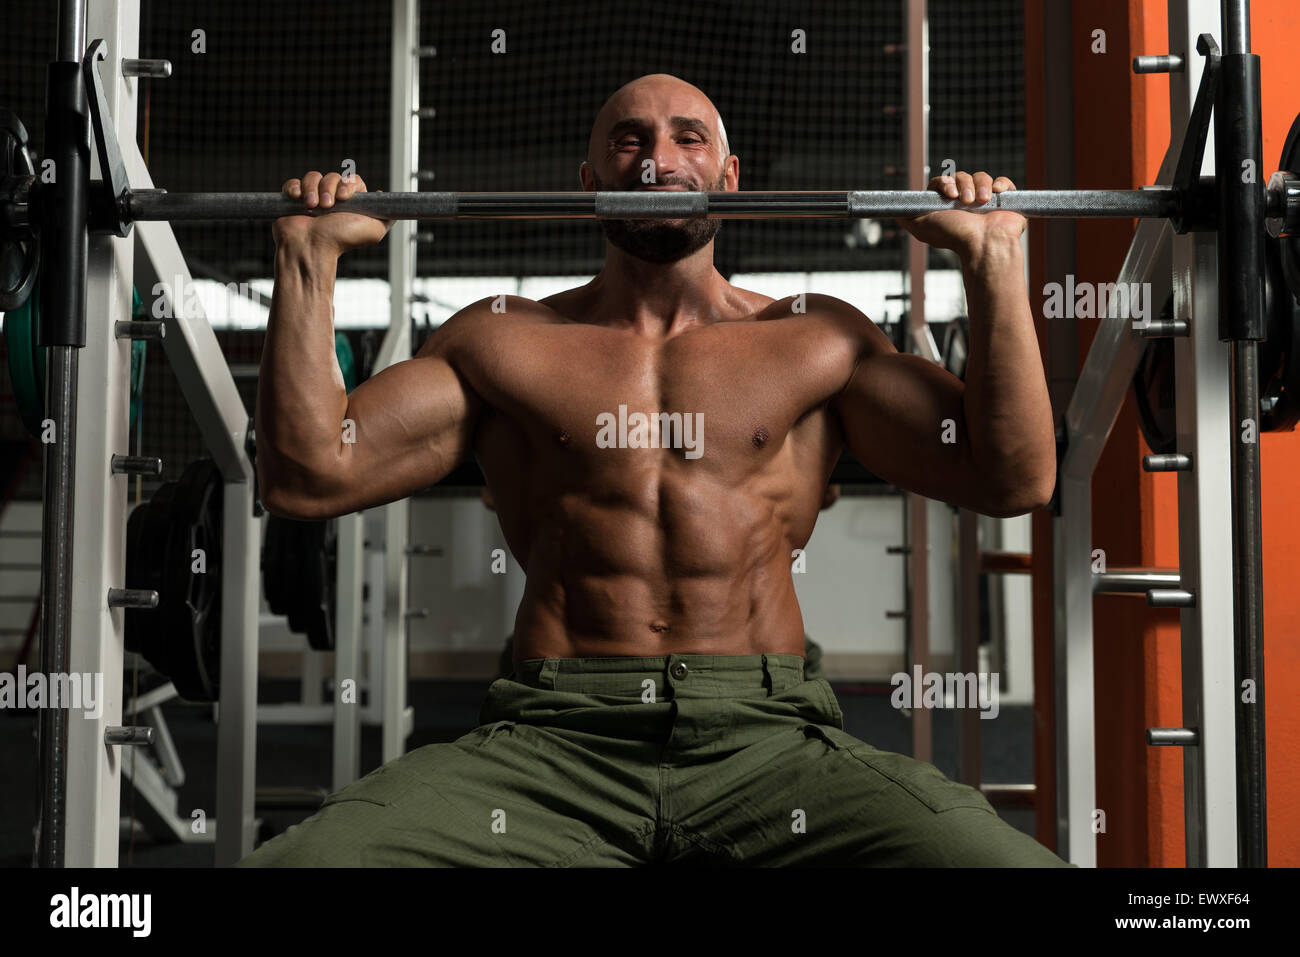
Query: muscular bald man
x=657, y=443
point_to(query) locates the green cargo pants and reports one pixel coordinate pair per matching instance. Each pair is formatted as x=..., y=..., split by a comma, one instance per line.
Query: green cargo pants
x=683, y=759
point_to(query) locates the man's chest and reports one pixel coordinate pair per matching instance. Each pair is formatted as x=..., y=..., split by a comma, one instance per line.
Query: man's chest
x=721, y=391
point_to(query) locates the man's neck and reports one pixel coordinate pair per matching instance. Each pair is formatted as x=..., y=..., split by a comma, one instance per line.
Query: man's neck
x=658, y=299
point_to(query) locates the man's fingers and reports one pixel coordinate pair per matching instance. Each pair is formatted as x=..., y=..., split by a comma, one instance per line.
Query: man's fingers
x=348, y=188
x=329, y=185
x=970, y=188
x=292, y=188
x=965, y=187
x=310, y=182
x=944, y=186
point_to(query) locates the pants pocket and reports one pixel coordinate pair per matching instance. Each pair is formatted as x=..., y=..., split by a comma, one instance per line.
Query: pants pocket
x=923, y=781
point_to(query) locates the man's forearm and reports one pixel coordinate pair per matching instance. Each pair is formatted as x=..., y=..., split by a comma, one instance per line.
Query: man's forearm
x=301, y=398
x=1008, y=412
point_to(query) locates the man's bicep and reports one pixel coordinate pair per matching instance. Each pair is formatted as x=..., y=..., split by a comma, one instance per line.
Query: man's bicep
x=406, y=427
x=903, y=419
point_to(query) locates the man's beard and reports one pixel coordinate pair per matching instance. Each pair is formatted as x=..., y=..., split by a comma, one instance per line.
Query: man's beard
x=662, y=240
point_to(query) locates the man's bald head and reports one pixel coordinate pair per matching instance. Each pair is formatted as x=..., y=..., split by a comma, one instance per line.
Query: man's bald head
x=657, y=96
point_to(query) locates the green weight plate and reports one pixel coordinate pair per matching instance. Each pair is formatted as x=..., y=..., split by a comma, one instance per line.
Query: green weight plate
x=347, y=361
x=27, y=361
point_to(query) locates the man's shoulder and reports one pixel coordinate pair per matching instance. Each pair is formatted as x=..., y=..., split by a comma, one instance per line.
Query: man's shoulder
x=481, y=325
x=506, y=308
x=811, y=310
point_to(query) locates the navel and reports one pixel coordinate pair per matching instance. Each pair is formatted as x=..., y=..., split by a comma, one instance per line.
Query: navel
x=658, y=626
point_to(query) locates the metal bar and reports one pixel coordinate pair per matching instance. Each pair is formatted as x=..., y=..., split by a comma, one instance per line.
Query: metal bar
x=63, y=324
x=916, y=528
x=1134, y=581
x=1150, y=203
x=388, y=666
x=347, y=650
x=72, y=29
x=1107, y=373
x=1184, y=737
x=1204, y=524
x=56, y=601
x=1248, y=609
x=1023, y=796
x=916, y=508
x=1171, y=598
x=1168, y=63
x=969, y=770
x=1238, y=142
x=1235, y=15
x=237, y=713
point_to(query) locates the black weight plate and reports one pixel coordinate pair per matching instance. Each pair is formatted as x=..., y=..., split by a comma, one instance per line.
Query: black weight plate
x=1153, y=387
x=181, y=638
x=146, y=544
x=192, y=610
x=298, y=568
x=1290, y=247
x=1279, y=367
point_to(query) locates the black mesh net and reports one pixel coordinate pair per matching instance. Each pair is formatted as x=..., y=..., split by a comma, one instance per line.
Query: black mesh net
x=268, y=90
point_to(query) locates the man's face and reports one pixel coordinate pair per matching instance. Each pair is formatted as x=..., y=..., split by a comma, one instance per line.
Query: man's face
x=666, y=132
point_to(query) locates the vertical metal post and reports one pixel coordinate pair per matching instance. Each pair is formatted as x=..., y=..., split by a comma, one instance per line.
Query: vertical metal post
x=1204, y=429
x=347, y=650
x=1076, y=778
x=404, y=150
x=63, y=329
x=968, y=648
x=96, y=643
x=1062, y=376
x=1239, y=151
x=240, y=601
x=918, y=175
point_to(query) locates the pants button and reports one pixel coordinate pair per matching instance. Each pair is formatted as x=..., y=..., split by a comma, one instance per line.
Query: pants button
x=679, y=670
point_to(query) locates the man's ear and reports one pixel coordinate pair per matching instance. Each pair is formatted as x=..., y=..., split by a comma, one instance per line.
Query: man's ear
x=732, y=162
x=584, y=172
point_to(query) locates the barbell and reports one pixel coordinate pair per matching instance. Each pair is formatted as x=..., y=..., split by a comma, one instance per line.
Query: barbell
x=1158, y=202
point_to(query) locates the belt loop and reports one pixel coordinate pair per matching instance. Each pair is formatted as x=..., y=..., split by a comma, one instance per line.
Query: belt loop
x=768, y=685
x=546, y=674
